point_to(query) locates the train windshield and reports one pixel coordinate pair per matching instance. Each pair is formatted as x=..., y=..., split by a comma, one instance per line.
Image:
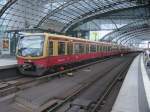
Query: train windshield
x=31, y=46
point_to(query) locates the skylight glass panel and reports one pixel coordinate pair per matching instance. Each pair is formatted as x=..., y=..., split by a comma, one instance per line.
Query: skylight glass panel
x=2, y=3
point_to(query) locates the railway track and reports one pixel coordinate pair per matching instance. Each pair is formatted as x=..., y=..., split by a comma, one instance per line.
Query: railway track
x=88, y=83
x=8, y=73
x=14, y=84
x=101, y=99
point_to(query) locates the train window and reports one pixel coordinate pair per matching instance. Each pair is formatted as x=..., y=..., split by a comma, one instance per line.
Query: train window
x=101, y=47
x=61, y=48
x=81, y=47
x=87, y=48
x=92, y=48
x=112, y=48
x=50, y=48
x=104, y=48
x=108, y=48
x=97, y=47
x=69, y=48
x=76, y=48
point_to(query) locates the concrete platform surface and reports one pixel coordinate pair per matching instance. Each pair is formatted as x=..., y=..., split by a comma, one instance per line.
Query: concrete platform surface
x=7, y=63
x=127, y=100
x=134, y=95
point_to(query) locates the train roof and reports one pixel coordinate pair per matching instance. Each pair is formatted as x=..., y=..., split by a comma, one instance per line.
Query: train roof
x=68, y=37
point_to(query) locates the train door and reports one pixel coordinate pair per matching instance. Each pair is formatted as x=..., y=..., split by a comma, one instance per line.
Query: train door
x=104, y=50
x=50, y=48
x=70, y=51
x=62, y=51
x=87, y=51
x=51, y=52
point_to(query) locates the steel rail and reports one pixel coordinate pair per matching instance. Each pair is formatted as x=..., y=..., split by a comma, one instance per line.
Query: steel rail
x=91, y=105
x=87, y=84
x=112, y=84
x=24, y=82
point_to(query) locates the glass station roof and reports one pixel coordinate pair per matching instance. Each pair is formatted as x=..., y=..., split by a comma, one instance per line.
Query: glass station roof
x=57, y=15
x=2, y=3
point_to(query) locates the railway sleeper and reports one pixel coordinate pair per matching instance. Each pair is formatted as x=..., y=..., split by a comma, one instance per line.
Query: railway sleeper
x=79, y=104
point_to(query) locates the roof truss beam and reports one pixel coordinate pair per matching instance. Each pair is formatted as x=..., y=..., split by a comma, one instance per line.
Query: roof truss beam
x=6, y=6
x=107, y=8
x=50, y=13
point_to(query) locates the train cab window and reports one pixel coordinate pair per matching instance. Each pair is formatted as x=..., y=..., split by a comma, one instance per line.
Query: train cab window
x=87, y=48
x=92, y=48
x=69, y=48
x=61, y=48
x=50, y=48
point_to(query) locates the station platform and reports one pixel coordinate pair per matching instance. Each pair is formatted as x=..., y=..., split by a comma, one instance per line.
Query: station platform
x=6, y=63
x=134, y=95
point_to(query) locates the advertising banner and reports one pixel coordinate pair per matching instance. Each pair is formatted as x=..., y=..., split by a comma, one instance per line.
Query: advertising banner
x=5, y=44
x=94, y=35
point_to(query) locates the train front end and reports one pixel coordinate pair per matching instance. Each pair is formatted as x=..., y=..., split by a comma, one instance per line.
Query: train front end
x=31, y=55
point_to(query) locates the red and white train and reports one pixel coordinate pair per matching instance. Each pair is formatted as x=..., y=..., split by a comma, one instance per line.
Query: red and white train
x=39, y=52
